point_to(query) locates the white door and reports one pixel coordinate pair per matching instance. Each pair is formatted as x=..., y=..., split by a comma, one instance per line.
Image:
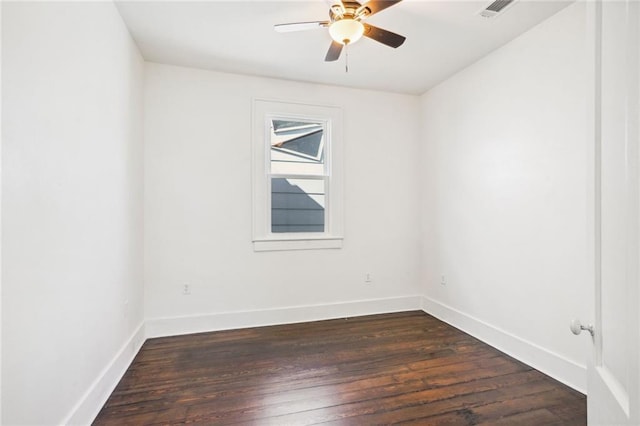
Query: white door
x=613, y=372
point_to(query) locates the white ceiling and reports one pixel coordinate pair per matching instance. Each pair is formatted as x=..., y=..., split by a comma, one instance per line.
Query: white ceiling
x=237, y=36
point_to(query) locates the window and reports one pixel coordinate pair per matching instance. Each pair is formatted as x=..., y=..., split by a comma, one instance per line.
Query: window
x=298, y=175
x=297, y=185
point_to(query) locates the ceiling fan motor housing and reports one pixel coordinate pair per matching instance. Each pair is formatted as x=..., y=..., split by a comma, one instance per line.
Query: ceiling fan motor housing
x=348, y=10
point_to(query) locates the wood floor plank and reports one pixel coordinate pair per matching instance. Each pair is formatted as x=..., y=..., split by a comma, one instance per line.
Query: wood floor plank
x=404, y=367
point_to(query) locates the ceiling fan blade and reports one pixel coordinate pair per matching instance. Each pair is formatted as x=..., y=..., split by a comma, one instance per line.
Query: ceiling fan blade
x=334, y=52
x=383, y=36
x=375, y=6
x=300, y=26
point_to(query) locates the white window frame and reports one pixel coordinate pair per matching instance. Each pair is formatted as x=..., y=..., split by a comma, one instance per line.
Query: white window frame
x=263, y=111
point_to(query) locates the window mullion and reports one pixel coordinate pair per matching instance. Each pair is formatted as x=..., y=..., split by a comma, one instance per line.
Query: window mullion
x=293, y=176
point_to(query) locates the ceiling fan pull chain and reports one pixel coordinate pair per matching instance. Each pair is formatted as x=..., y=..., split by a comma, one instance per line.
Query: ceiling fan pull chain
x=346, y=57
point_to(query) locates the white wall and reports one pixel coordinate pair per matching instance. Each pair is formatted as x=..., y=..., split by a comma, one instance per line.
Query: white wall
x=198, y=203
x=505, y=196
x=71, y=205
x=0, y=214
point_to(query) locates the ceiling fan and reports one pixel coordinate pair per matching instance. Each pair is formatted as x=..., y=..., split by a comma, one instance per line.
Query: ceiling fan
x=346, y=25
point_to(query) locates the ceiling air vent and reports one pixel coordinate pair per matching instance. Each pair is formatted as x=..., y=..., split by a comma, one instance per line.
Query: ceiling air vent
x=495, y=8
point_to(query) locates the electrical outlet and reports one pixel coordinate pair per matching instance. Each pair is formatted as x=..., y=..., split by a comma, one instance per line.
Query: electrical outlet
x=367, y=278
x=443, y=280
x=186, y=290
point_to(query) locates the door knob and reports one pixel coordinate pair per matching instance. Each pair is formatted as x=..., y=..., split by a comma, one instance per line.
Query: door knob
x=576, y=327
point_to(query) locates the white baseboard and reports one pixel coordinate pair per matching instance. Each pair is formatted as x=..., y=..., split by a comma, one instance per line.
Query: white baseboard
x=554, y=365
x=551, y=364
x=160, y=327
x=86, y=410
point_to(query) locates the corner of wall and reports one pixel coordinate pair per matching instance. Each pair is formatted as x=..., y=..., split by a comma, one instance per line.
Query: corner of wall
x=86, y=410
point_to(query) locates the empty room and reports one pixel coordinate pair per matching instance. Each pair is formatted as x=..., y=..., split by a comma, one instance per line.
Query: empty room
x=320, y=212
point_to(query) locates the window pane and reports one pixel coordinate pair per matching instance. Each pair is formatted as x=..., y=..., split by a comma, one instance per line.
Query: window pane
x=297, y=147
x=297, y=205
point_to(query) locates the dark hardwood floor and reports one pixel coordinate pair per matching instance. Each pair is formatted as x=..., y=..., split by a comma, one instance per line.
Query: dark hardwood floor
x=383, y=369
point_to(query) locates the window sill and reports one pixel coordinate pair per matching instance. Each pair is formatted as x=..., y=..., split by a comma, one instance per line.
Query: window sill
x=301, y=243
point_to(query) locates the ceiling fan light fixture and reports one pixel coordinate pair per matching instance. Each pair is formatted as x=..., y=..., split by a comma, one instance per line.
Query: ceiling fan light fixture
x=346, y=31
